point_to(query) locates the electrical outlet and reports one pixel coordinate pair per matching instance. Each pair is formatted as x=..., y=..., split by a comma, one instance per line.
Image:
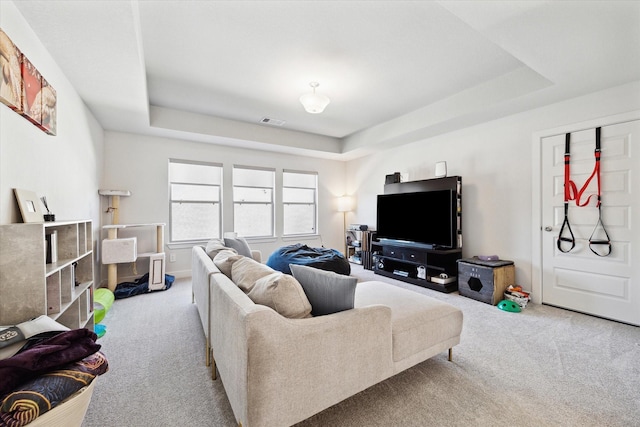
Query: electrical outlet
x=172, y=258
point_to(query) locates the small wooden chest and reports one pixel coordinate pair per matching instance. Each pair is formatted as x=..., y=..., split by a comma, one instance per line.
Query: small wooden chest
x=485, y=281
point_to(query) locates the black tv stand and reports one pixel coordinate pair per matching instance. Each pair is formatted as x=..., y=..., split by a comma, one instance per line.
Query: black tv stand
x=430, y=268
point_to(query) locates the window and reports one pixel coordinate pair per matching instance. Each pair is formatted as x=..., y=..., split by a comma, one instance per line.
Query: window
x=253, y=204
x=195, y=196
x=299, y=200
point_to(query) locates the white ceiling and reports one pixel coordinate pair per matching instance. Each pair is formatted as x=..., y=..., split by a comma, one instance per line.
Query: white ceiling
x=395, y=71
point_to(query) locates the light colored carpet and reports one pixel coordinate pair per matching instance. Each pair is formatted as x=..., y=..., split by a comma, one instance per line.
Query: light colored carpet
x=542, y=367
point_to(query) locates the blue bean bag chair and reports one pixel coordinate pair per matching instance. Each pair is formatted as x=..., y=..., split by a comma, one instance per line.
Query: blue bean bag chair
x=322, y=258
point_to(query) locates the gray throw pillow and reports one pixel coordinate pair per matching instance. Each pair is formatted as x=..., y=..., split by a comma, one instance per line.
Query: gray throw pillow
x=328, y=292
x=239, y=244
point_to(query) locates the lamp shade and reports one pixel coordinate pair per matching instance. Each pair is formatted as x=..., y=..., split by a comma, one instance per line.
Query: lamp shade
x=313, y=102
x=345, y=204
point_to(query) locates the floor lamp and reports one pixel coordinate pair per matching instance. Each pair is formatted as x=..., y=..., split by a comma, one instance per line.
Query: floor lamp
x=345, y=204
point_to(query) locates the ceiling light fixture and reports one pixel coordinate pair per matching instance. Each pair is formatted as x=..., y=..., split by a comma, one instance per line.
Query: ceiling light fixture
x=313, y=102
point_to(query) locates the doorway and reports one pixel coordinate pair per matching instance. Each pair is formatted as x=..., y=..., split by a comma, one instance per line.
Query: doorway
x=578, y=279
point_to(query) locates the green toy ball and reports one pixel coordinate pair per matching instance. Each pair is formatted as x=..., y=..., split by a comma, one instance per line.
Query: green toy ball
x=506, y=305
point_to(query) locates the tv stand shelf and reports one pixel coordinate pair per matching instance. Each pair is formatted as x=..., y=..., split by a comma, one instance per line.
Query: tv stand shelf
x=430, y=268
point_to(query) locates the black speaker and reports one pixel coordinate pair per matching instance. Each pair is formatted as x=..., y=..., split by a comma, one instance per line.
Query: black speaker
x=393, y=178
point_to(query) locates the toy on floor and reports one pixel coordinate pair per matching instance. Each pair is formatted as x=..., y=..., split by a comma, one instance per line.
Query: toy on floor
x=506, y=305
x=102, y=301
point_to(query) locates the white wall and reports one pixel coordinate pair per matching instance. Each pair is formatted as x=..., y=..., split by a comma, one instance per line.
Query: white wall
x=495, y=162
x=140, y=164
x=65, y=168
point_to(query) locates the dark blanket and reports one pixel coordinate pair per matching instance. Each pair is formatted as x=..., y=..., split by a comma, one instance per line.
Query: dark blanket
x=300, y=254
x=139, y=286
x=38, y=396
x=52, y=353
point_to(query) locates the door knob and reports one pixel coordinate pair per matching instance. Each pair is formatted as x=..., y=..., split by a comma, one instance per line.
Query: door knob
x=547, y=228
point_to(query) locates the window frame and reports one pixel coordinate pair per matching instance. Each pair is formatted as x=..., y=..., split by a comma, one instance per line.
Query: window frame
x=314, y=203
x=272, y=202
x=220, y=187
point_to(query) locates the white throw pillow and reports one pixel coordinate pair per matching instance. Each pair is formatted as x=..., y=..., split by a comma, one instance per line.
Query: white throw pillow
x=214, y=246
x=225, y=259
x=246, y=271
x=282, y=293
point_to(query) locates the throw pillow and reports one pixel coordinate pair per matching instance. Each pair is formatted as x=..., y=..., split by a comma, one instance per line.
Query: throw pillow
x=239, y=244
x=225, y=259
x=214, y=246
x=328, y=292
x=246, y=271
x=282, y=293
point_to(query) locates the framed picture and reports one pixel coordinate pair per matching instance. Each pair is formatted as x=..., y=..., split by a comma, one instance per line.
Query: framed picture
x=11, y=77
x=29, y=205
x=31, y=92
x=49, y=102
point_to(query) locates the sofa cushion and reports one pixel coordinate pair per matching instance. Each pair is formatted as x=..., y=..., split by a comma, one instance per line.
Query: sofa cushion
x=225, y=259
x=282, y=293
x=328, y=292
x=418, y=321
x=239, y=244
x=246, y=271
x=214, y=246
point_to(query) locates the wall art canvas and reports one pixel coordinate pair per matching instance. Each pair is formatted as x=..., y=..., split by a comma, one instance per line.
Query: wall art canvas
x=49, y=104
x=10, y=73
x=24, y=89
x=29, y=205
x=31, y=92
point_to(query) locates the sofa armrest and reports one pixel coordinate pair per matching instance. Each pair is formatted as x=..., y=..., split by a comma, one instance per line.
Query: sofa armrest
x=256, y=255
x=201, y=268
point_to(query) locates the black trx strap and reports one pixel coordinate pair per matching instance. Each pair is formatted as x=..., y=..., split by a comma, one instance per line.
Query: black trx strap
x=593, y=242
x=572, y=193
x=569, y=188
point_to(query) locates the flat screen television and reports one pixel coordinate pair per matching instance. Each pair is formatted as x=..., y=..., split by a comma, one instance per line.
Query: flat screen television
x=427, y=218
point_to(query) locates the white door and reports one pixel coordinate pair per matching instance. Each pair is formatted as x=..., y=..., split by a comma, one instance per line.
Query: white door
x=580, y=280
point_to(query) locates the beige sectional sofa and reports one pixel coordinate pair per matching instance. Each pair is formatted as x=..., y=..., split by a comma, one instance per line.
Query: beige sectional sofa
x=278, y=371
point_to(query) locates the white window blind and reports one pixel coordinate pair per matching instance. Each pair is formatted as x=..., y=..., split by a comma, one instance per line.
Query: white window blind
x=195, y=200
x=253, y=201
x=299, y=200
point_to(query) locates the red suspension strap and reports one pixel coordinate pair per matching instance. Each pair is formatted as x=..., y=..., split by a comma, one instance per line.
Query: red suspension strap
x=572, y=193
